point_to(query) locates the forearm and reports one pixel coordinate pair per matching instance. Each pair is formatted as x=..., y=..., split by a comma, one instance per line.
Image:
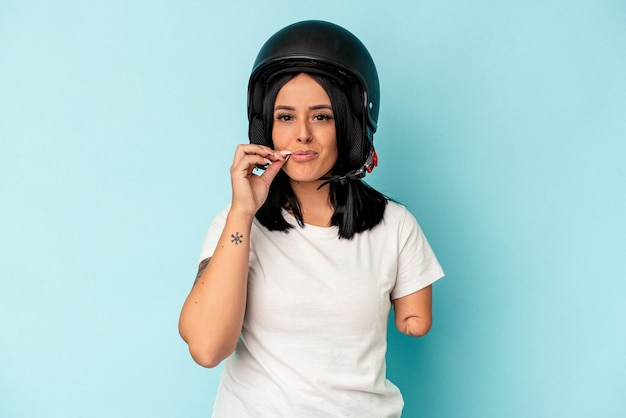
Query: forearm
x=212, y=316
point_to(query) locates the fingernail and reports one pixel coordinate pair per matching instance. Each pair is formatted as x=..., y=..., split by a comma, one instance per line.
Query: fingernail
x=285, y=152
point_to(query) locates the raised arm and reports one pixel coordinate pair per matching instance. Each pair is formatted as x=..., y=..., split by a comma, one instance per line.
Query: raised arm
x=212, y=315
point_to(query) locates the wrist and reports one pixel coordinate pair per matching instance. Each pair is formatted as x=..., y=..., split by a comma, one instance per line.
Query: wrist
x=240, y=215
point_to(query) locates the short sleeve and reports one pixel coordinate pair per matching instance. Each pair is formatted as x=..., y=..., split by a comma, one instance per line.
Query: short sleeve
x=417, y=264
x=213, y=235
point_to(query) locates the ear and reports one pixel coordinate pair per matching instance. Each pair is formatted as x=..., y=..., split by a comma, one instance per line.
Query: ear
x=256, y=131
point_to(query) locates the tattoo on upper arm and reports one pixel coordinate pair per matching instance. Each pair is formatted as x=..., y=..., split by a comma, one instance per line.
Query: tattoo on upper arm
x=236, y=238
x=201, y=267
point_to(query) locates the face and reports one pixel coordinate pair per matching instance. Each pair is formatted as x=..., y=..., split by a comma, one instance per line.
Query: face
x=304, y=124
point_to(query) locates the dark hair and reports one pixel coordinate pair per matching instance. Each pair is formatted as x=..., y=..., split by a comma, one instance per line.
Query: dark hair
x=357, y=206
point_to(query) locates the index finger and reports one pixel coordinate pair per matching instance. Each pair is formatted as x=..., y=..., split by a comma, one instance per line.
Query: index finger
x=254, y=149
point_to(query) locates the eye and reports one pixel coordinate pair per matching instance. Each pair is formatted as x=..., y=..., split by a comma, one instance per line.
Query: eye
x=322, y=117
x=284, y=117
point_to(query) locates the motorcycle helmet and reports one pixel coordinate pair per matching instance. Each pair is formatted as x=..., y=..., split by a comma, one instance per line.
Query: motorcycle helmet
x=324, y=48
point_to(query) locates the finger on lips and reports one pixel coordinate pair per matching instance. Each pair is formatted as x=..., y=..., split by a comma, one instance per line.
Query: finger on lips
x=278, y=155
x=261, y=156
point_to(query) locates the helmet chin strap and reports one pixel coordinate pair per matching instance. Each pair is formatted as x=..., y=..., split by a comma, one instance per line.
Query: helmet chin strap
x=359, y=173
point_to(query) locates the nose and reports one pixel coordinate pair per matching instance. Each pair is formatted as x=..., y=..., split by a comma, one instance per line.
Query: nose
x=305, y=135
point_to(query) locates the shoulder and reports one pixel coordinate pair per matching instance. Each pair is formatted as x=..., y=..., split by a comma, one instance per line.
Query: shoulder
x=396, y=212
x=399, y=218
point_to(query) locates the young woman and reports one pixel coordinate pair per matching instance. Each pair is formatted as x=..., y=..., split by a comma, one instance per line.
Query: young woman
x=298, y=274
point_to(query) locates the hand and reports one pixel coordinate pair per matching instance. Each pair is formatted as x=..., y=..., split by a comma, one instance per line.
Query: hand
x=249, y=189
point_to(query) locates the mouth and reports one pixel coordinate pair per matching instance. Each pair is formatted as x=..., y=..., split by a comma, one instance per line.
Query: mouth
x=303, y=155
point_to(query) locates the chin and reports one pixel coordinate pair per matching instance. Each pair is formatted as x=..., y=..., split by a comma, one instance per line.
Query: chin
x=300, y=177
x=303, y=179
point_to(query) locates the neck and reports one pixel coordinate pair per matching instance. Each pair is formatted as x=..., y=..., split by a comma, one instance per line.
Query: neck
x=315, y=204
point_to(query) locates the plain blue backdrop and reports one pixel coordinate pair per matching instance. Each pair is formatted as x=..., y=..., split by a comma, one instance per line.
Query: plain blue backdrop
x=502, y=128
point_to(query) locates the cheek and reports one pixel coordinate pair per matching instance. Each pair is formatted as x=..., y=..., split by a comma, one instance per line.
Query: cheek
x=281, y=136
x=333, y=154
x=333, y=144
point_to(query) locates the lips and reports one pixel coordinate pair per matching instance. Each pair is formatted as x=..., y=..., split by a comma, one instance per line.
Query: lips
x=303, y=155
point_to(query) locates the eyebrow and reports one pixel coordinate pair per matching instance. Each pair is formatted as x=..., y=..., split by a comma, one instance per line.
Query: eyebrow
x=314, y=107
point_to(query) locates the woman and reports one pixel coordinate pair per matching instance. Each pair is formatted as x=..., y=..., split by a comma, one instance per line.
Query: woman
x=299, y=272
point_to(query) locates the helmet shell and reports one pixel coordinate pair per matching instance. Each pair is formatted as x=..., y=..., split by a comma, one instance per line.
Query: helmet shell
x=320, y=47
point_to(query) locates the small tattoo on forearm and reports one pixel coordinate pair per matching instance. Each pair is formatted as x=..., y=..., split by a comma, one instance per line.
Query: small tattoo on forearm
x=236, y=238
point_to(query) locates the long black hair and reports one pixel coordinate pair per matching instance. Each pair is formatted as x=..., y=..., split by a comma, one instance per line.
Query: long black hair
x=357, y=206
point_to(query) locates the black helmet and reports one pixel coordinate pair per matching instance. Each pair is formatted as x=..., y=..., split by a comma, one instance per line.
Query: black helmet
x=321, y=48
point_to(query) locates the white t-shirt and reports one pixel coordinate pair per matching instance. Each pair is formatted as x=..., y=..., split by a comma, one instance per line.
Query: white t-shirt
x=314, y=336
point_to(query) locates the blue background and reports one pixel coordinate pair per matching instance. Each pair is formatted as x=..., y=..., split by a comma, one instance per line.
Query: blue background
x=502, y=128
